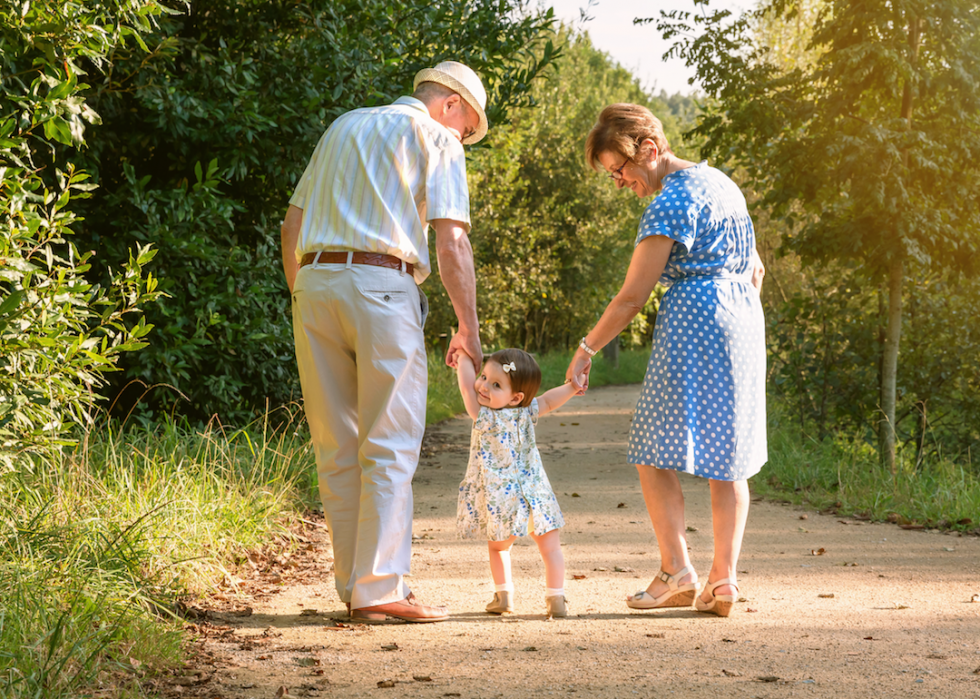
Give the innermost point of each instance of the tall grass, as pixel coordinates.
(844, 474)
(97, 544)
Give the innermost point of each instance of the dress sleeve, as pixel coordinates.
(674, 214)
(486, 420)
(533, 408)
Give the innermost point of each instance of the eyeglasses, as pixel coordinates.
(617, 174)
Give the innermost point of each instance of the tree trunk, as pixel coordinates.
(889, 364)
(611, 352)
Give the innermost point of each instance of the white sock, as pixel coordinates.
(506, 587)
(554, 592)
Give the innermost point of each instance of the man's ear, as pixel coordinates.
(517, 399)
(453, 101)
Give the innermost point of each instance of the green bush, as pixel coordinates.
(205, 137)
(59, 332)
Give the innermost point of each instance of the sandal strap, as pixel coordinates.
(710, 587)
(671, 580)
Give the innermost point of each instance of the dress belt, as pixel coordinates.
(375, 259)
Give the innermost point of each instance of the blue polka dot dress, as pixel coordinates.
(702, 409)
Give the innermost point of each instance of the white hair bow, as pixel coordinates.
(509, 367)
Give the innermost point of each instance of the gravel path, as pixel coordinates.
(832, 606)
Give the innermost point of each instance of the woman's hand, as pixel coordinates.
(578, 371)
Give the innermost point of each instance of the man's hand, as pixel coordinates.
(290, 237)
(758, 271)
(464, 346)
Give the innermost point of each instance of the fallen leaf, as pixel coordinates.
(743, 599)
(847, 564)
(729, 640)
(308, 612)
(977, 671)
(622, 504)
(530, 649)
(893, 517)
(900, 606)
(869, 638)
(422, 678)
(804, 517)
(826, 595)
(731, 673)
(912, 526)
(575, 423)
(619, 569)
(387, 684)
(135, 663)
(818, 552)
(692, 529)
(768, 678)
(263, 657)
(600, 569)
(937, 656)
(393, 646)
(975, 598)
(578, 577)
(964, 521)
(750, 610)
(451, 694)
(802, 530)
(576, 495)
(282, 692)
(656, 635)
(948, 548)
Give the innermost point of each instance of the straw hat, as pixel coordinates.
(461, 79)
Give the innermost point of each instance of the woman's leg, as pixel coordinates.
(549, 545)
(665, 503)
(729, 511)
(500, 561)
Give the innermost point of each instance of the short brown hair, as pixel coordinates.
(620, 129)
(525, 378)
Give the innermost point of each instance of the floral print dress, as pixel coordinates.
(505, 484)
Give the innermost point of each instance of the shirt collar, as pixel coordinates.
(412, 102)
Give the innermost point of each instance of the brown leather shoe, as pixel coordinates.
(407, 609)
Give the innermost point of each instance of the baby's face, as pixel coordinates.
(493, 388)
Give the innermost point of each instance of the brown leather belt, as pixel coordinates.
(375, 259)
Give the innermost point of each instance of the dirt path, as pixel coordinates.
(882, 612)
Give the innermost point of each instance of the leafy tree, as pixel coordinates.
(868, 152)
(551, 238)
(59, 334)
(205, 137)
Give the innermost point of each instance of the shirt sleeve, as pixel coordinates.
(673, 214)
(446, 192)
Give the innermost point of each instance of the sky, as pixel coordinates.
(637, 48)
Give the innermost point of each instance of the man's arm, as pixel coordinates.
(290, 237)
(455, 258)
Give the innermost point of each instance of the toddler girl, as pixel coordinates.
(506, 493)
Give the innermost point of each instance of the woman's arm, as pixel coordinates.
(466, 376)
(647, 264)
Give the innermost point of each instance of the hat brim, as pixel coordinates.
(431, 75)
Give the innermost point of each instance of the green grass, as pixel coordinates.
(844, 475)
(97, 545)
(444, 400)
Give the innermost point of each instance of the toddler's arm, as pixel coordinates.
(466, 376)
(557, 397)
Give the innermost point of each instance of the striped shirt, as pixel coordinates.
(377, 177)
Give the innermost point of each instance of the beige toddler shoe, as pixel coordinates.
(557, 606)
(501, 603)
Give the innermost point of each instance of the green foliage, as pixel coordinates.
(204, 138)
(59, 333)
(552, 239)
(859, 135)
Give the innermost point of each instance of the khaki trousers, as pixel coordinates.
(362, 366)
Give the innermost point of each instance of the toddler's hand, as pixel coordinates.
(583, 379)
(457, 356)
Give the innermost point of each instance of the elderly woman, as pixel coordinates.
(702, 405)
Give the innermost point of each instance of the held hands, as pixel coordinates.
(578, 372)
(465, 344)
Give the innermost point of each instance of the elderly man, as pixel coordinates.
(355, 248)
